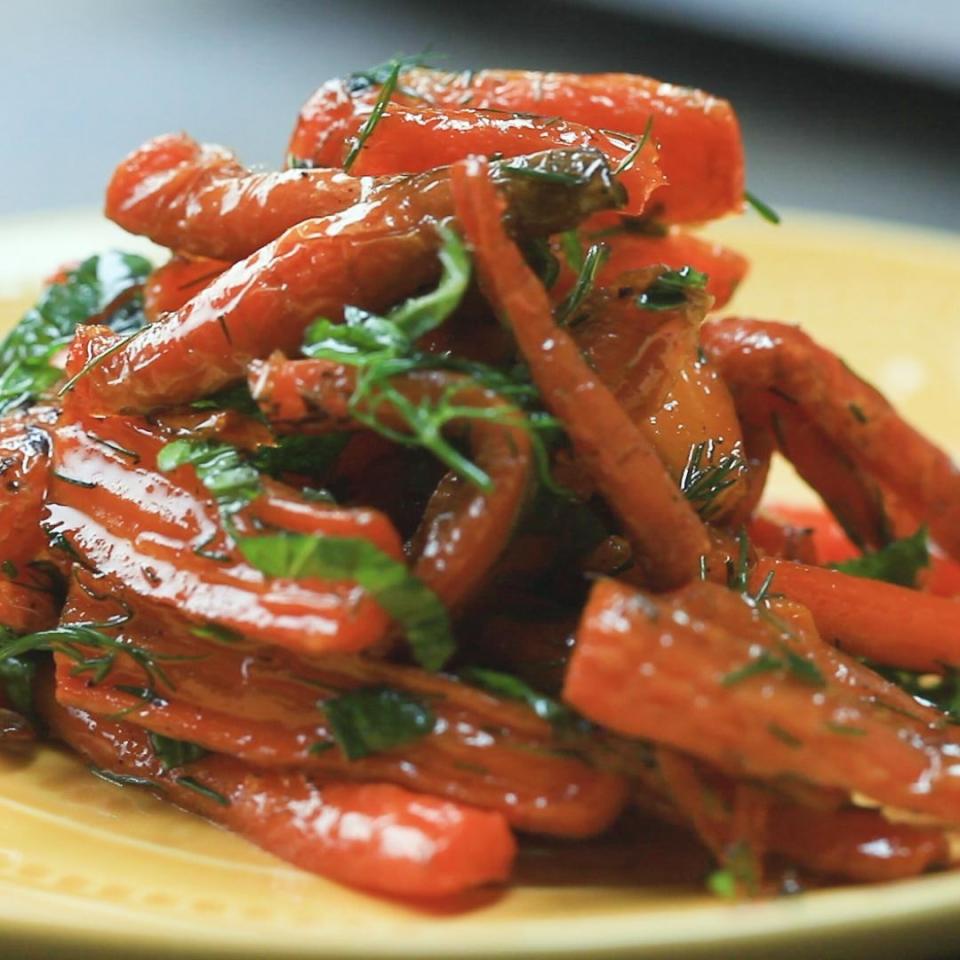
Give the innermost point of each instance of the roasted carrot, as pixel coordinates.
(887, 623)
(700, 148)
(705, 673)
(413, 138)
(665, 531)
(378, 837)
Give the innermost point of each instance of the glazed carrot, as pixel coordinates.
(198, 199)
(665, 531)
(652, 362)
(177, 282)
(24, 468)
(701, 153)
(831, 544)
(369, 256)
(860, 844)
(782, 540)
(378, 837)
(413, 138)
(268, 710)
(755, 354)
(851, 494)
(890, 624)
(160, 536)
(703, 672)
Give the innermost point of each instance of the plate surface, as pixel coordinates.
(92, 870)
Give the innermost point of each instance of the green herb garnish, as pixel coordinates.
(88, 293)
(631, 158)
(17, 675)
(899, 562)
(413, 605)
(174, 753)
(593, 260)
(669, 290)
(389, 85)
(765, 211)
(702, 483)
(513, 688)
(375, 719)
(208, 792)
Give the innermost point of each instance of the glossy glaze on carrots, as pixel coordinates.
(413, 505)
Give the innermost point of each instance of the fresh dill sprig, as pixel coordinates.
(701, 483)
(593, 260)
(384, 348)
(631, 158)
(765, 211)
(386, 92)
(75, 640)
(669, 290)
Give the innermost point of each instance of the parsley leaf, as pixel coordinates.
(17, 675)
(220, 467)
(899, 562)
(669, 290)
(174, 753)
(593, 260)
(416, 608)
(374, 719)
(88, 292)
(513, 688)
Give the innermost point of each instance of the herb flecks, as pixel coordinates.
(670, 289)
(593, 260)
(765, 211)
(104, 288)
(372, 720)
(369, 125)
(409, 601)
(900, 562)
(703, 482)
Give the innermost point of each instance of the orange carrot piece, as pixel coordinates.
(704, 673)
(666, 532)
(890, 624)
(701, 152)
(411, 139)
(860, 844)
(378, 837)
(755, 354)
(198, 199)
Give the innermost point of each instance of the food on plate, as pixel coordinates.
(412, 506)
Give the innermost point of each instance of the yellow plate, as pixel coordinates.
(92, 870)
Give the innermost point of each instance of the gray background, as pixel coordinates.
(832, 118)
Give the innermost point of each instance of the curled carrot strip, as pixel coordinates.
(868, 618)
(755, 354)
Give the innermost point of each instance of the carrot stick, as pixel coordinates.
(703, 672)
(664, 529)
(378, 837)
(701, 151)
(889, 624)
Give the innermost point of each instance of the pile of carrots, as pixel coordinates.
(414, 504)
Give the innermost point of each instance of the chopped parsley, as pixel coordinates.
(371, 720)
(899, 562)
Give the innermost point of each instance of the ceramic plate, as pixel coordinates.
(92, 870)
